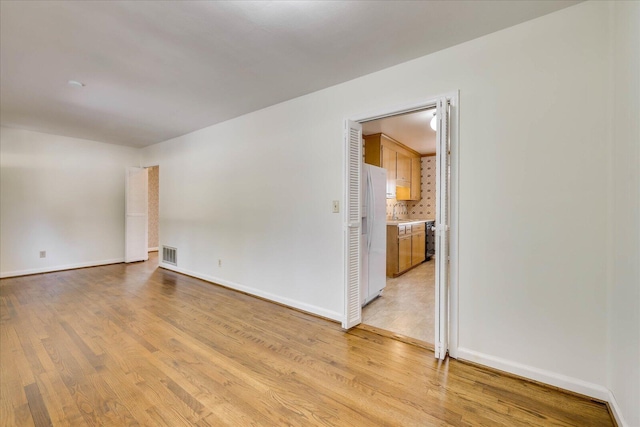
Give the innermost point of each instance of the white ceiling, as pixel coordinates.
(159, 69)
(412, 130)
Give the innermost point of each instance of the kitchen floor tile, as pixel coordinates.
(406, 305)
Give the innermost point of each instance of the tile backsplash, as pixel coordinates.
(425, 208)
(401, 208)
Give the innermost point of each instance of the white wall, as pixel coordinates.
(62, 195)
(256, 192)
(624, 291)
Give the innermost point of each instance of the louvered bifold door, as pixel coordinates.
(353, 311)
(136, 215)
(442, 231)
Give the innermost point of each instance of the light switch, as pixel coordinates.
(336, 206)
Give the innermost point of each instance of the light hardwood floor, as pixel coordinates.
(136, 345)
(406, 306)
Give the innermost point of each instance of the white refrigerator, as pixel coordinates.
(374, 233)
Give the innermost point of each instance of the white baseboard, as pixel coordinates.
(616, 411)
(152, 249)
(552, 378)
(59, 268)
(257, 292)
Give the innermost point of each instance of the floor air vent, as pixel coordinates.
(169, 255)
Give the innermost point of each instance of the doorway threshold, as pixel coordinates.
(398, 337)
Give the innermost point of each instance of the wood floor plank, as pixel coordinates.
(37, 407)
(60, 403)
(91, 357)
(131, 344)
(75, 381)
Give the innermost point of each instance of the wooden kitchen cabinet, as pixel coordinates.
(416, 178)
(401, 162)
(418, 246)
(389, 163)
(403, 170)
(405, 247)
(404, 253)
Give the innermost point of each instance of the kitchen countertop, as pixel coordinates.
(406, 221)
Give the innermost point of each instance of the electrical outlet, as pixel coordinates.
(336, 206)
(219, 263)
(43, 254)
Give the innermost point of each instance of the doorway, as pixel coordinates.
(141, 212)
(406, 305)
(407, 147)
(407, 224)
(153, 203)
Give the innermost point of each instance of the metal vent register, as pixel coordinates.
(170, 255)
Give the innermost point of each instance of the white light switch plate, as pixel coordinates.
(336, 206)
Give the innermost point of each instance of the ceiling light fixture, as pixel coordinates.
(433, 123)
(75, 83)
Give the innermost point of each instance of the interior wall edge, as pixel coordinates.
(312, 309)
(615, 410)
(52, 269)
(555, 379)
(623, 290)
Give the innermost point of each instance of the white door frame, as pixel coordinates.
(453, 98)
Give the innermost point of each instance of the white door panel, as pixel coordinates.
(352, 302)
(136, 215)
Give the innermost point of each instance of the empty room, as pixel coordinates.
(368, 213)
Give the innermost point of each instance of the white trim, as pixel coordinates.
(60, 268)
(333, 315)
(616, 411)
(454, 147)
(381, 113)
(454, 99)
(443, 213)
(548, 377)
(152, 249)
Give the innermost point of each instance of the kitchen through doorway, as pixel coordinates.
(367, 227)
(402, 302)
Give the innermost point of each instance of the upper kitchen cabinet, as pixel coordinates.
(401, 162)
(373, 148)
(403, 169)
(389, 162)
(416, 178)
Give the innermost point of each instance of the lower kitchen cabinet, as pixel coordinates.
(404, 253)
(418, 241)
(405, 247)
